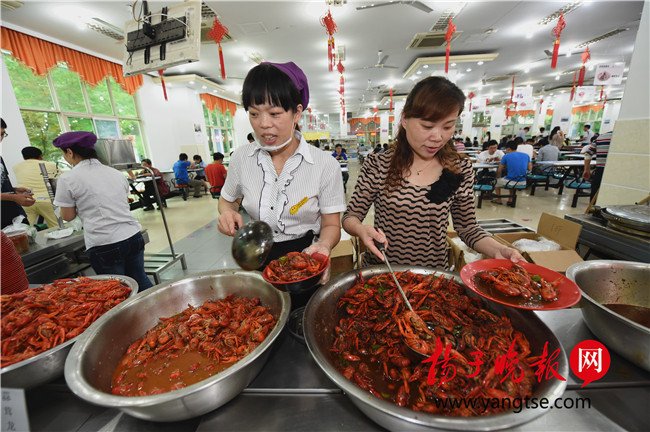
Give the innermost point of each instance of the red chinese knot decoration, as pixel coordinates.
(470, 96)
(451, 29)
(390, 94)
(217, 32)
(585, 58)
(573, 87)
(162, 82)
(557, 31)
(330, 28)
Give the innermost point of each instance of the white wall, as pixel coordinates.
(610, 115)
(17, 134)
(562, 111)
(169, 125)
(242, 127)
(498, 117)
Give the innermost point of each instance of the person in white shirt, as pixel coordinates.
(492, 154)
(526, 147)
(282, 180)
(588, 134)
(98, 194)
(523, 132)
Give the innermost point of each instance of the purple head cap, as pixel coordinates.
(298, 79)
(82, 139)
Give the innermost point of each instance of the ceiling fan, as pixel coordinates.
(416, 4)
(381, 62)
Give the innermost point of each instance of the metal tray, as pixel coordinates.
(49, 364)
(631, 216)
(321, 318)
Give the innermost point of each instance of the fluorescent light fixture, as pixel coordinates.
(468, 70)
(480, 63)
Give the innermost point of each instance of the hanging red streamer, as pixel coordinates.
(330, 28)
(541, 102)
(512, 89)
(162, 82)
(217, 32)
(310, 117)
(470, 96)
(585, 58)
(451, 29)
(390, 94)
(602, 90)
(341, 69)
(573, 86)
(557, 31)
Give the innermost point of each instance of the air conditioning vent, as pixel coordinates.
(497, 78)
(207, 12)
(430, 40)
(107, 29)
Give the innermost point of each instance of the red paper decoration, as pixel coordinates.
(217, 32)
(162, 82)
(390, 94)
(470, 96)
(557, 31)
(330, 28)
(573, 86)
(585, 58)
(512, 89)
(602, 89)
(451, 29)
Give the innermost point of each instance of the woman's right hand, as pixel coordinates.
(229, 222)
(368, 235)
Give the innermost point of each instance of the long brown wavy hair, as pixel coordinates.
(432, 99)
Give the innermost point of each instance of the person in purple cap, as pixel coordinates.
(98, 194)
(282, 180)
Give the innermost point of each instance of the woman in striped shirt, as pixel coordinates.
(416, 185)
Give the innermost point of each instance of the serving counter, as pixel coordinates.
(292, 394)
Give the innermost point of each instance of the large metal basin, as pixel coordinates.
(48, 365)
(93, 359)
(321, 317)
(622, 282)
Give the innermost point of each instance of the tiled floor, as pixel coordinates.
(193, 224)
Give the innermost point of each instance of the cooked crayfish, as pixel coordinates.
(192, 345)
(292, 267)
(36, 320)
(517, 282)
(375, 335)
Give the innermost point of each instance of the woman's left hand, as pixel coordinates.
(323, 250)
(509, 253)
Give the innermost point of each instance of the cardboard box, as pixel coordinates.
(456, 255)
(342, 256)
(561, 231)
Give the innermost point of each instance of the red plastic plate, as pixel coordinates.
(568, 291)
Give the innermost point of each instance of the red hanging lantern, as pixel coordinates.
(573, 86)
(330, 28)
(557, 31)
(341, 69)
(162, 82)
(217, 32)
(585, 58)
(470, 96)
(390, 94)
(541, 102)
(451, 29)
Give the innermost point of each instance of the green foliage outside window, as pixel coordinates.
(131, 130)
(100, 101)
(32, 91)
(68, 90)
(124, 102)
(81, 124)
(42, 128)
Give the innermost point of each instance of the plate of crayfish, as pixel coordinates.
(296, 271)
(521, 285)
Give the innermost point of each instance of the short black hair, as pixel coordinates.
(512, 145)
(526, 128)
(542, 129)
(492, 143)
(182, 156)
(145, 160)
(250, 138)
(588, 126)
(31, 153)
(519, 140)
(338, 145)
(217, 156)
(195, 157)
(267, 84)
(82, 152)
(3, 125)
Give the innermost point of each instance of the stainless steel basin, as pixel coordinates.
(622, 282)
(93, 359)
(321, 316)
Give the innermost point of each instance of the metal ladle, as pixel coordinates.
(252, 245)
(382, 249)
